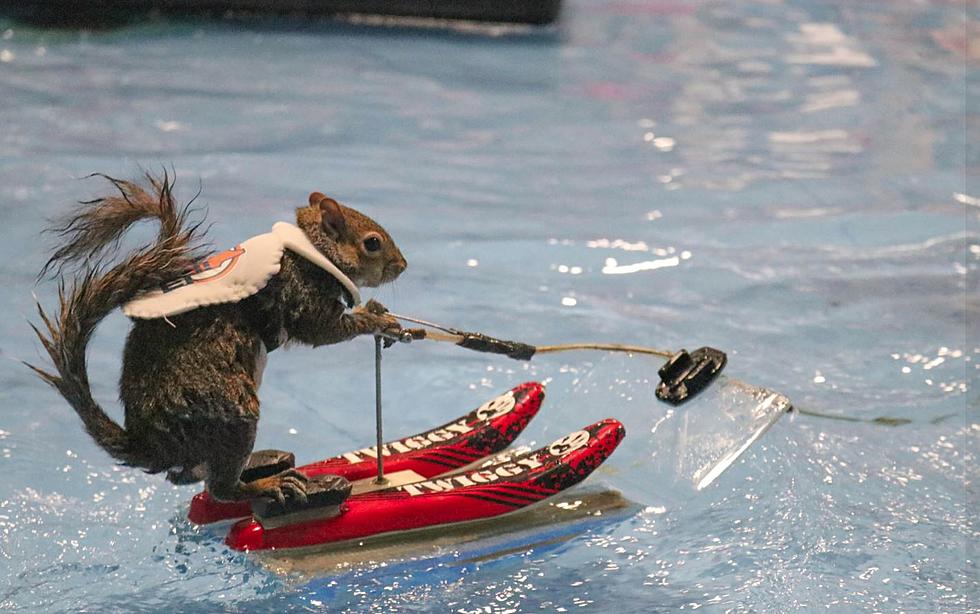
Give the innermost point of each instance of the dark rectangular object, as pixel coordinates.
(509, 11)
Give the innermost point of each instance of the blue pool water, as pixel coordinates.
(786, 180)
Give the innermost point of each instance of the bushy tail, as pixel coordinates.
(89, 236)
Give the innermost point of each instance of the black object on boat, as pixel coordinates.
(538, 12)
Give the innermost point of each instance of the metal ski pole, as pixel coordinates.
(381, 479)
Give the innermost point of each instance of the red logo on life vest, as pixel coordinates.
(210, 269)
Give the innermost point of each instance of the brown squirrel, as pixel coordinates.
(189, 381)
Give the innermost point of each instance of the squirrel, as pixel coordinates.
(189, 382)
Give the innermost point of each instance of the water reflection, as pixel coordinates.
(825, 44)
(612, 267)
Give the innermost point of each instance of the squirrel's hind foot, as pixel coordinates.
(291, 483)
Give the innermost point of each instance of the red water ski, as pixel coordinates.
(511, 484)
(484, 431)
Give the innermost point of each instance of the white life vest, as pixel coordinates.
(233, 275)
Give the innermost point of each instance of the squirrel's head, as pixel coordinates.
(358, 245)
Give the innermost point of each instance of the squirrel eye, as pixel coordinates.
(372, 244)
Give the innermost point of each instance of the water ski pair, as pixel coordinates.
(458, 472)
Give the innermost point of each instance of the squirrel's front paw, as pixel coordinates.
(387, 325)
(391, 331)
(373, 306)
(372, 319)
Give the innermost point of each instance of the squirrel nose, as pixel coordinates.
(395, 269)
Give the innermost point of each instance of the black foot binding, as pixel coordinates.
(686, 374)
(324, 494)
(267, 463)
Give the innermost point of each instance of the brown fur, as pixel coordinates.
(188, 384)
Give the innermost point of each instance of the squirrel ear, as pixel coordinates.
(315, 198)
(331, 216)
